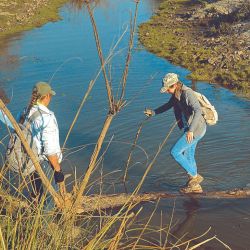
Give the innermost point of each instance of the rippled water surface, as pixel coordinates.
(65, 53)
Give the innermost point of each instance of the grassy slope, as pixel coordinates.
(20, 15)
(170, 37)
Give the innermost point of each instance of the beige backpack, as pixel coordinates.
(209, 112)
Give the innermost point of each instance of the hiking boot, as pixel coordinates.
(197, 189)
(194, 180)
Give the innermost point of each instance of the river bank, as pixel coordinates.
(17, 16)
(209, 39)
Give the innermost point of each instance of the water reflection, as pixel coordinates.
(190, 206)
(79, 4)
(9, 62)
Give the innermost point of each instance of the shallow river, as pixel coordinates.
(64, 53)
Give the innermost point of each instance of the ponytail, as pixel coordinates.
(33, 100)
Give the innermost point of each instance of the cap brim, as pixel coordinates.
(52, 92)
(163, 89)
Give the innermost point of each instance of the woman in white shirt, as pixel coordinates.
(45, 134)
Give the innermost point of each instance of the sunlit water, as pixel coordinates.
(223, 155)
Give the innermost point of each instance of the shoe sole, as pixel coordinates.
(191, 191)
(196, 180)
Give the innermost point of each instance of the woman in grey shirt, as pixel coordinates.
(189, 117)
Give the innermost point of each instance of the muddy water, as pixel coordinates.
(64, 52)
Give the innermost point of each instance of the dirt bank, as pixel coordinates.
(20, 15)
(210, 39)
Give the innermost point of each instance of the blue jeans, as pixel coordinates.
(184, 153)
(38, 186)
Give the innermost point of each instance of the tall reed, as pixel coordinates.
(114, 105)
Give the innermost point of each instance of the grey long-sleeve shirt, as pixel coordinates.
(184, 102)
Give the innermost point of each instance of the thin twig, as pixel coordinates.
(224, 244)
(60, 66)
(149, 167)
(132, 149)
(93, 158)
(195, 238)
(169, 226)
(91, 84)
(146, 225)
(201, 243)
(141, 90)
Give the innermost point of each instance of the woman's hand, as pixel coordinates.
(58, 176)
(149, 112)
(190, 136)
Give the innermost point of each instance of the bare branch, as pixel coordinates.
(99, 49)
(132, 149)
(131, 43)
(94, 157)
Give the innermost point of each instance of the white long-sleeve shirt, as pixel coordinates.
(46, 132)
(5, 120)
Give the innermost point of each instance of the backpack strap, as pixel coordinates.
(33, 117)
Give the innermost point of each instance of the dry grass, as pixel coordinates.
(36, 228)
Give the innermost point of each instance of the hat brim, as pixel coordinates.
(52, 92)
(163, 89)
